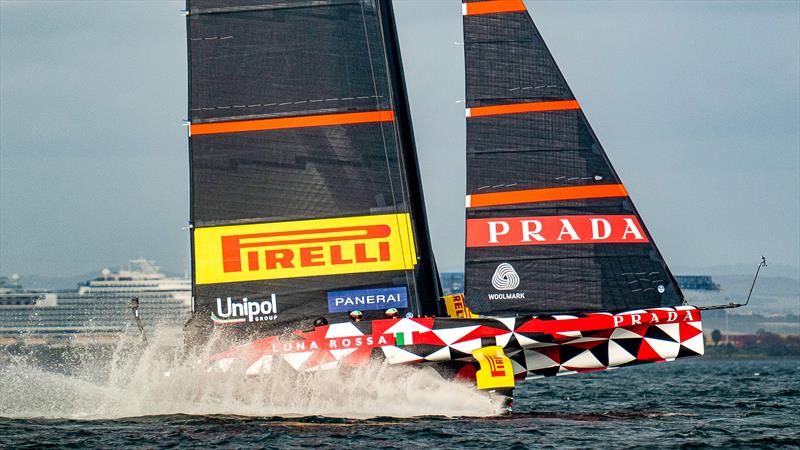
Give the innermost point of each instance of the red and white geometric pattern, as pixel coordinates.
(538, 346)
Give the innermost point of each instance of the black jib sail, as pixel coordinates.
(305, 194)
(550, 227)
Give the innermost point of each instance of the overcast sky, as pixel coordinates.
(696, 103)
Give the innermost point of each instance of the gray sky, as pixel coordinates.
(696, 103)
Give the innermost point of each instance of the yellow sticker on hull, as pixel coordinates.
(496, 371)
(267, 251)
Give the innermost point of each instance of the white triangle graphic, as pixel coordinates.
(617, 355)
(584, 360)
(450, 335)
(296, 360)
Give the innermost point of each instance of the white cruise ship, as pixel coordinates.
(98, 308)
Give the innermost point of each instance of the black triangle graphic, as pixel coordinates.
(601, 353)
(630, 345)
(568, 352)
(512, 342)
(519, 358)
(422, 350)
(657, 333)
(548, 372)
(456, 354)
(539, 337)
(685, 352)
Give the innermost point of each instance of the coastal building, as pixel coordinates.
(696, 282)
(452, 282)
(97, 308)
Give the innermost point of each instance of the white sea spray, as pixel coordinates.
(158, 379)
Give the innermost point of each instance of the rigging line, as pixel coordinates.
(257, 105)
(401, 156)
(763, 263)
(410, 280)
(528, 150)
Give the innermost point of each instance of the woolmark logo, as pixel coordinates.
(245, 310)
(505, 278)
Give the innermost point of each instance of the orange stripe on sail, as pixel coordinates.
(322, 120)
(516, 108)
(546, 195)
(495, 6)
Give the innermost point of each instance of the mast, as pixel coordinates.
(428, 283)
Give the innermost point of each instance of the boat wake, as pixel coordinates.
(157, 379)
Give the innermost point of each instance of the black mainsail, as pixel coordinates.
(550, 227)
(305, 194)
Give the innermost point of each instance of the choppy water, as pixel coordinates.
(128, 402)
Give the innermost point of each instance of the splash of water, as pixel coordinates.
(157, 379)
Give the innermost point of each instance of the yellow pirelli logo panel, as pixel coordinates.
(267, 251)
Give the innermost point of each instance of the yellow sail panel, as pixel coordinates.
(277, 250)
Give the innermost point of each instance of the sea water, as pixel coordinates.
(153, 396)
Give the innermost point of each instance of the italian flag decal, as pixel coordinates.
(404, 338)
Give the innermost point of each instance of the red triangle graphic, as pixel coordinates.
(428, 337)
(481, 331)
(551, 352)
(687, 331)
(641, 330)
(646, 352)
(359, 357)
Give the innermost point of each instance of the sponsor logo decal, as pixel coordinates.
(304, 248)
(456, 307)
(245, 310)
(497, 366)
(338, 343)
(505, 278)
(549, 230)
(368, 299)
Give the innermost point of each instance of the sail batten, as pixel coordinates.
(322, 120)
(492, 7)
(233, 6)
(550, 226)
(517, 108)
(546, 195)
